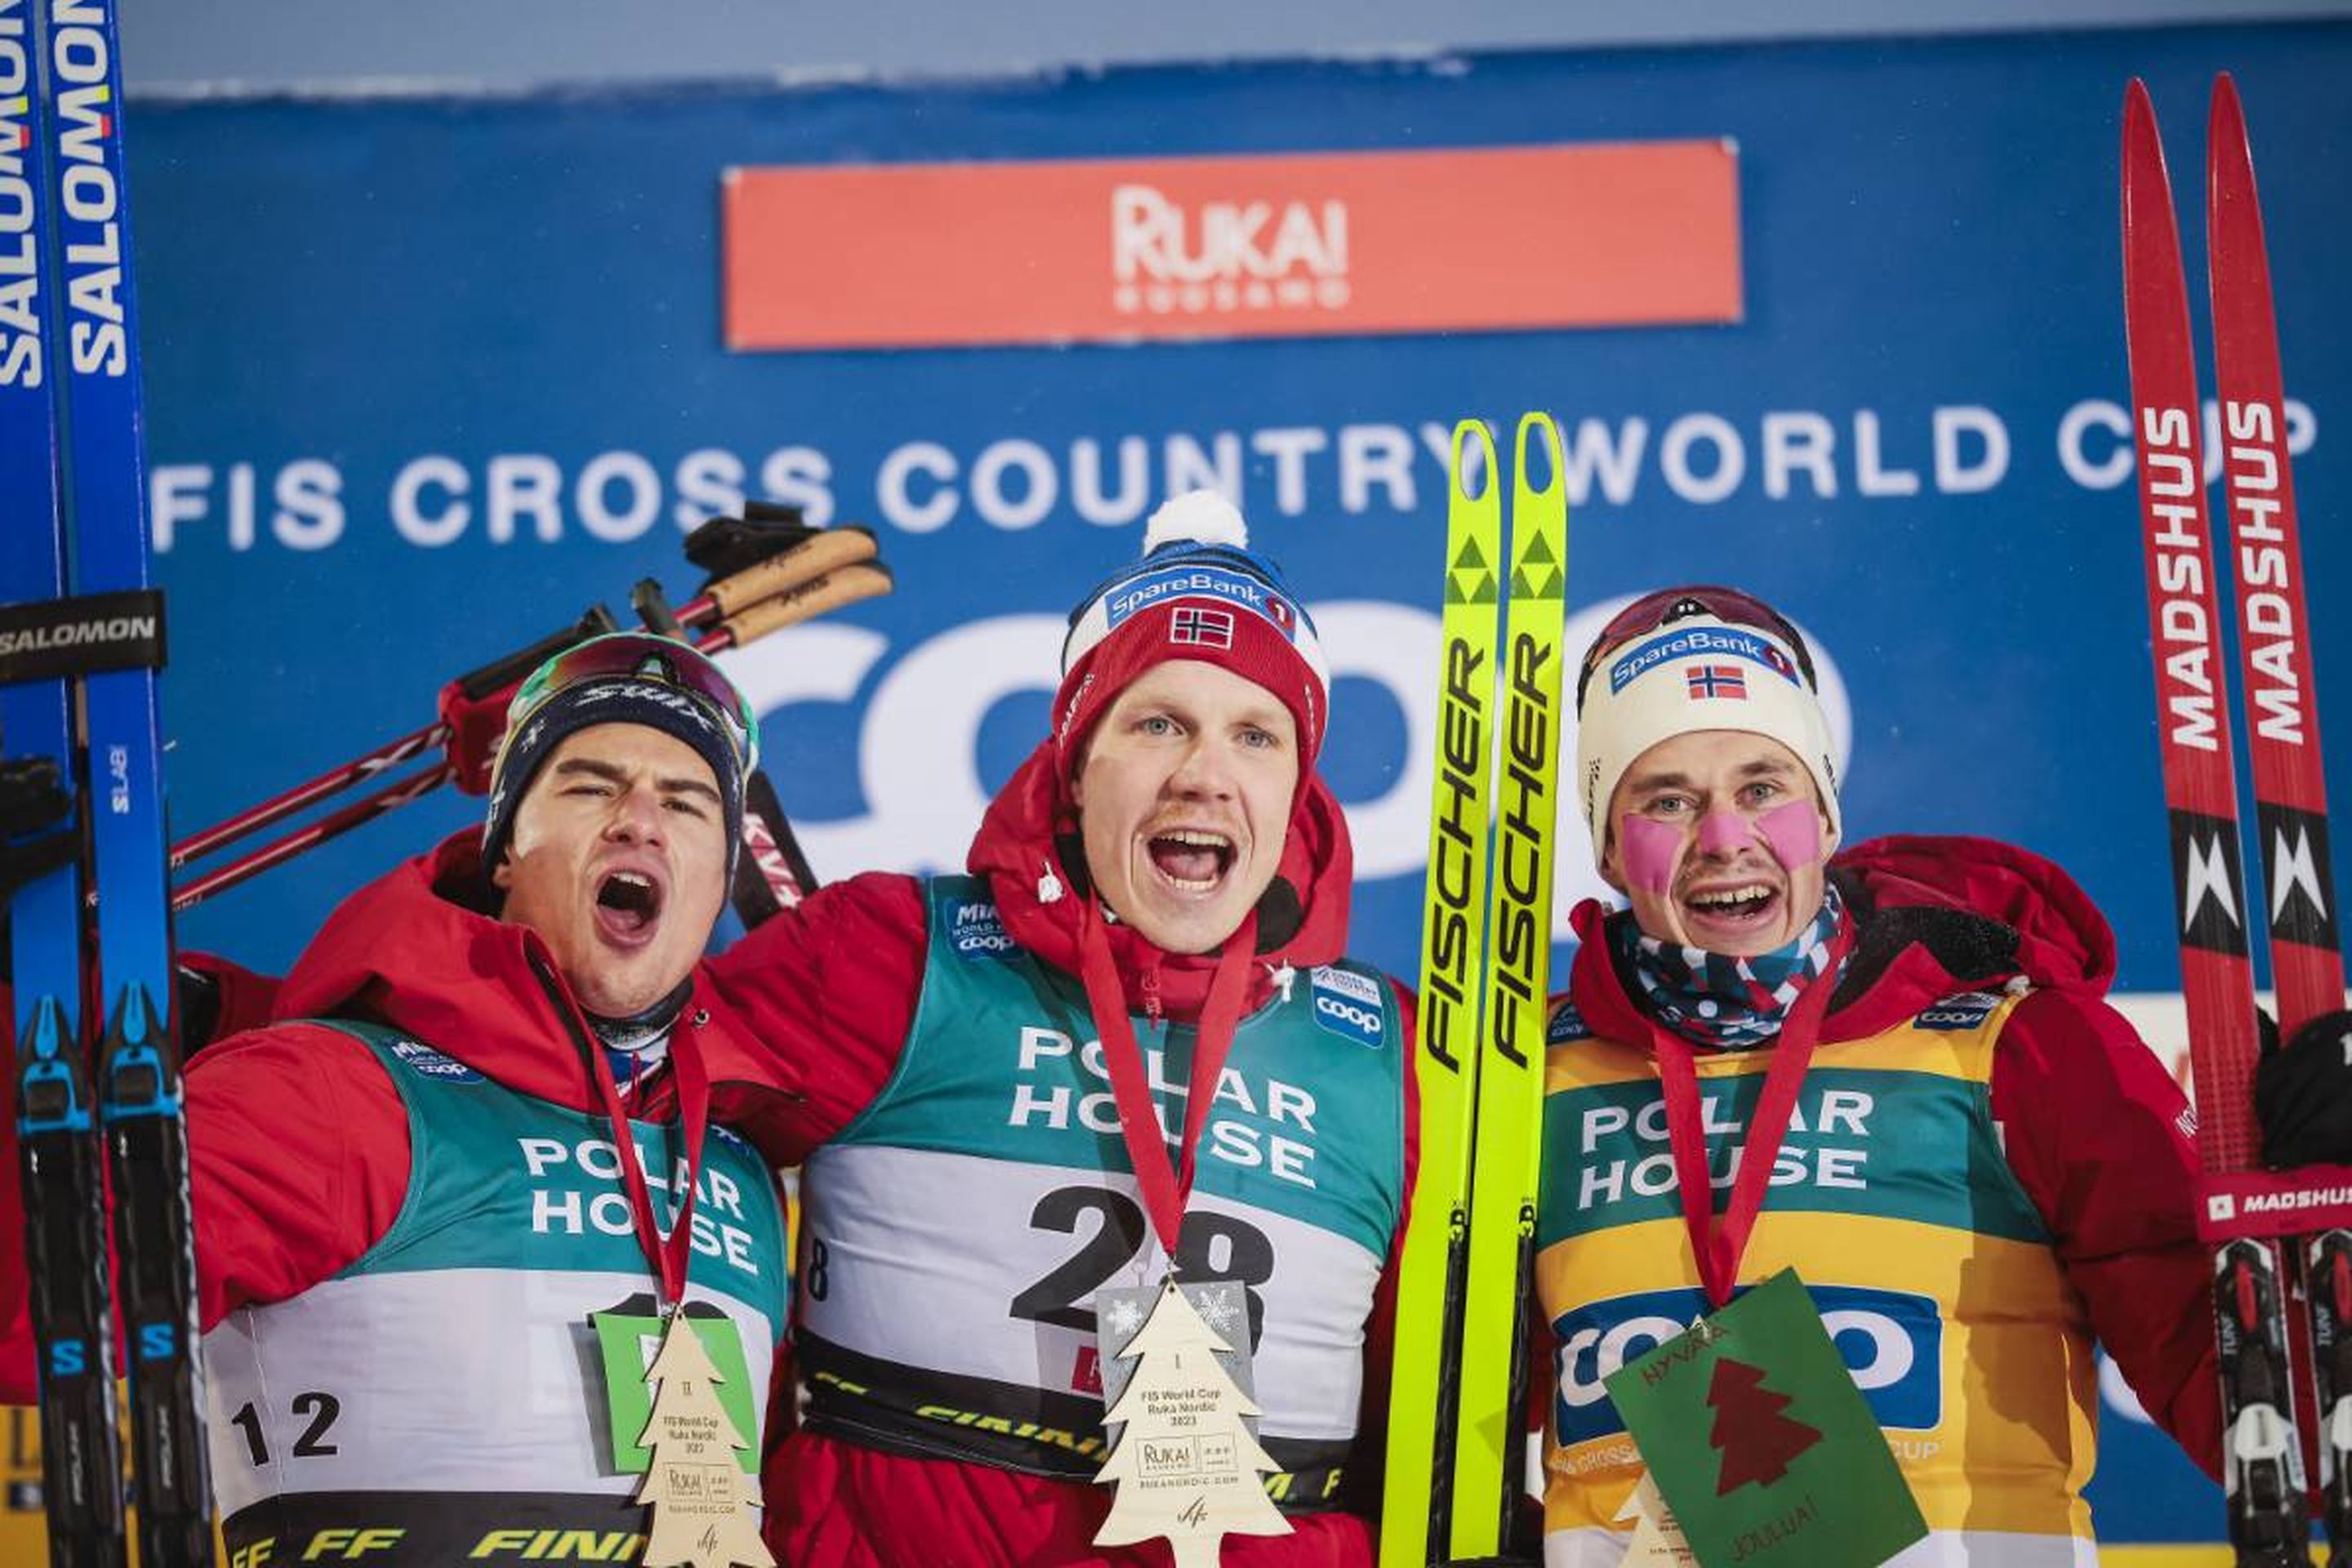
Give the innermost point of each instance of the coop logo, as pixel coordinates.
(1893, 1342)
(1172, 256)
(1349, 1005)
(1965, 1010)
(977, 930)
(426, 1062)
(1567, 1023)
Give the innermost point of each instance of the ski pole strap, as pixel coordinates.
(91, 634)
(1719, 1247)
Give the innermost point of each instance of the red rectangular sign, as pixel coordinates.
(1315, 244)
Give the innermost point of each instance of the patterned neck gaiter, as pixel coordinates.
(1727, 1003)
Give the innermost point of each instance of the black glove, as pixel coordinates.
(2303, 1095)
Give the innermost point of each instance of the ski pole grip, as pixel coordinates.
(502, 673)
(866, 580)
(825, 552)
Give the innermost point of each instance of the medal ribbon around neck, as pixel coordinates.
(1719, 1247)
(1165, 1187)
(668, 1254)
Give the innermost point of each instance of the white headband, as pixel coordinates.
(1699, 673)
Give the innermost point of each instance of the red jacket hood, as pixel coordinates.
(1934, 915)
(418, 949)
(1030, 825)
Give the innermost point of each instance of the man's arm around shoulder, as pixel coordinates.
(2099, 1136)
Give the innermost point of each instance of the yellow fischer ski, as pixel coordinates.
(1435, 1261)
(1508, 1119)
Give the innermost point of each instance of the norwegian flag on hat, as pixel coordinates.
(1201, 627)
(1717, 680)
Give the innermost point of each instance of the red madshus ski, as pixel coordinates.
(2282, 713)
(2261, 1459)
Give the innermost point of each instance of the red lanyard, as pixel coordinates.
(1165, 1187)
(667, 1253)
(1719, 1247)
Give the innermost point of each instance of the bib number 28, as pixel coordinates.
(1209, 1245)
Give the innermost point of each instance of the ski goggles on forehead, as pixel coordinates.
(1656, 612)
(643, 657)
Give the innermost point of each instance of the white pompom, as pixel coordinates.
(1196, 517)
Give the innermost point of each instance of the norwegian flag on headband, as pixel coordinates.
(1717, 680)
(1201, 627)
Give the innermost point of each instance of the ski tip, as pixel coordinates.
(1474, 460)
(2140, 134)
(2229, 117)
(1537, 430)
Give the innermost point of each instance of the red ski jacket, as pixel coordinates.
(2095, 1129)
(833, 985)
(297, 1141)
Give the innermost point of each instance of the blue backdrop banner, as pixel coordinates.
(426, 376)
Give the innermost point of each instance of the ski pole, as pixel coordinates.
(757, 621)
(342, 820)
(809, 566)
(826, 551)
(822, 596)
(480, 683)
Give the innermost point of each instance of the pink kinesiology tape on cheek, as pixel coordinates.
(1792, 832)
(1648, 850)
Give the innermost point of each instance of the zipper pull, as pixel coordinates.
(1149, 982)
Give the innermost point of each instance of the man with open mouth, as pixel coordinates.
(1125, 1038)
(1891, 1068)
(444, 1202)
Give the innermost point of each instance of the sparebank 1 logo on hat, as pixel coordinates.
(1720, 642)
(1152, 588)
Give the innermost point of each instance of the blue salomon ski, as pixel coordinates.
(109, 635)
(59, 1160)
